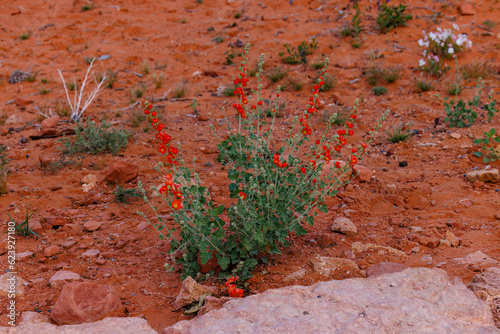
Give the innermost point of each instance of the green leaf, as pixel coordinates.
(478, 154)
(205, 257)
(223, 262)
(323, 208)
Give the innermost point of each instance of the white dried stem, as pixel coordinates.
(80, 103)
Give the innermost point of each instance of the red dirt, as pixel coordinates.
(430, 191)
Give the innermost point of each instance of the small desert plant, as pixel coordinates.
(123, 195)
(181, 90)
(328, 81)
(276, 74)
(357, 42)
(297, 55)
(4, 171)
(158, 80)
(462, 114)
(399, 133)
(111, 76)
(81, 103)
(44, 90)
(23, 228)
(25, 35)
(71, 86)
(423, 85)
(145, 68)
(476, 70)
(319, 65)
(86, 7)
(137, 118)
(391, 74)
(489, 24)
(355, 28)
(379, 90)
(295, 84)
(138, 91)
(229, 90)
(490, 146)
(391, 17)
(32, 77)
(53, 167)
(93, 139)
(455, 88)
(233, 52)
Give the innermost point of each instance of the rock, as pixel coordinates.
(62, 276)
(427, 259)
(34, 317)
(453, 239)
(51, 250)
(191, 292)
(89, 182)
(477, 258)
(391, 188)
(384, 268)
(466, 9)
(142, 226)
(430, 242)
(329, 166)
(86, 302)
(497, 216)
(121, 172)
(444, 243)
(35, 226)
(100, 261)
(358, 247)
(485, 175)
(486, 286)
(327, 266)
(52, 221)
(326, 239)
(24, 255)
(10, 283)
(417, 300)
(295, 275)
(51, 122)
(364, 174)
(478, 184)
(345, 226)
(67, 243)
(92, 225)
(336, 99)
(455, 135)
(132, 325)
(91, 253)
(14, 119)
(212, 303)
(18, 76)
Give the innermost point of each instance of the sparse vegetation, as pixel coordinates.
(25, 35)
(276, 74)
(138, 91)
(328, 80)
(399, 133)
(477, 69)
(32, 77)
(93, 139)
(86, 7)
(123, 195)
(181, 90)
(423, 85)
(294, 84)
(158, 80)
(297, 55)
(391, 17)
(4, 170)
(379, 90)
(23, 229)
(145, 68)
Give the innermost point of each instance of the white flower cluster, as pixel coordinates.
(443, 43)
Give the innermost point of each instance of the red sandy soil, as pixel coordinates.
(177, 40)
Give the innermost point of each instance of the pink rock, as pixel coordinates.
(466, 9)
(51, 122)
(55, 221)
(121, 172)
(190, 292)
(86, 302)
(51, 250)
(364, 173)
(63, 276)
(92, 225)
(212, 303)
(384, 268)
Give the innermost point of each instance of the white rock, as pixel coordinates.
(477, 258)
(345, 226)
(63, 275)
(417, 300)
(10, 283)
(91, 253)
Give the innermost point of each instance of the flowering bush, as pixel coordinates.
(439, 46)
(275, 190)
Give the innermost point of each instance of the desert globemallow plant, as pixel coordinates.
(276, 191)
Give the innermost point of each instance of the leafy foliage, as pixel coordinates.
(93, 139)
(490, 146)
(391, 17)
(297, 55)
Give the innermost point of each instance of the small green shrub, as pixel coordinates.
(379, 90)
(489, 146)
(93, 139)
(423, 85)
(329, 81)
(4, 170)
(23, 228)
(276, 74)
(399, 133)
(476, 70)
(297, 55)
(355, 28)
(391, 17)
(123, 195)
(181, 90)
(86, 7)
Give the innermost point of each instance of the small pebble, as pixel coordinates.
(403, 163)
